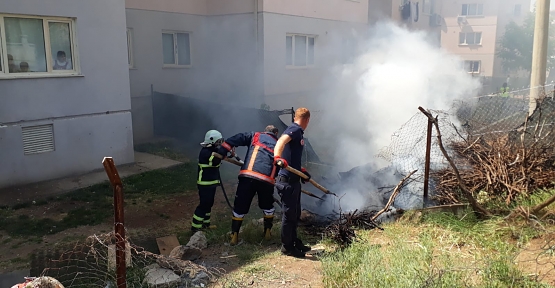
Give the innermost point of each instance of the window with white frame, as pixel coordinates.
(299, 50)
(474, 9)
(472, 66)
(176, 49)
(37, 46)
(130, 47)
(470, 38)
(427, 7)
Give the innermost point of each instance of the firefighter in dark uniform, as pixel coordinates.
(208, 179)
(288, 152)
(256, 177)
(504, 92)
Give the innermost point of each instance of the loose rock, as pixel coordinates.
(160, 277)
(198, 240)
(40, 282)
(185, 253)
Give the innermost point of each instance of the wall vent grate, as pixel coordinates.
(38, 139)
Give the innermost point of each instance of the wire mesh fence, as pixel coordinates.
(92, 263)
(513, 147)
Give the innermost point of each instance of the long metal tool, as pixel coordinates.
(302, 175)
(240, 163)
(235, 161)
(311, 195)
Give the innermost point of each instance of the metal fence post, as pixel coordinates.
(119, 228)
(427, 161)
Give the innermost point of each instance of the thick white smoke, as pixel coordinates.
(368, 100)
(397, 71)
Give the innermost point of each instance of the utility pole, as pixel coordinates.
(539, 53)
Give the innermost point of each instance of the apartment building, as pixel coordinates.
(472, 29)
(245, 52)
(64, 88)
(422, 15)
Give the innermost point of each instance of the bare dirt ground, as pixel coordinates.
(146, 220)
(537, 258)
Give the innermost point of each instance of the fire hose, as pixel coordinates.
(239, 162)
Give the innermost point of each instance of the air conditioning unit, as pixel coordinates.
(461, 19)
(435, 20)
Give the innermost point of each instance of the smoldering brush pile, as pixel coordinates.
(502, 168)
(342, 230)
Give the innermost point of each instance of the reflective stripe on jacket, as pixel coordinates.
(259, 161)
(208, 167)
(505, 92)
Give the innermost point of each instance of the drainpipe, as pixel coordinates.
(257, 60)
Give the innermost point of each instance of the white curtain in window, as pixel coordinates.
(310, 56)
(60, 43)
(167, 43)
(25, 45)
(183, 49)
(289, 50)
(300, 50)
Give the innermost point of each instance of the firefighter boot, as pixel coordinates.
(206, 223)
(268, 223)
(235, 227)
(300, 246)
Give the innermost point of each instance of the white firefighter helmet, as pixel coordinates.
(212, 137)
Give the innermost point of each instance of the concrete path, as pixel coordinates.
(143, 162)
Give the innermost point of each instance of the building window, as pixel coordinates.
(472, 9)
(130, 47)
(299, 50)
(36, 46)
(427, 7)
(518, 10)
(470, 38)
(177, 49)
(472, 67)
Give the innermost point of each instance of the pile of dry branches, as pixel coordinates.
(342, 231)
(503, 165)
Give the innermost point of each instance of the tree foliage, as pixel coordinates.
(515, 46)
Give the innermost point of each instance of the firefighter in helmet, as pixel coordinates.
(208, 179)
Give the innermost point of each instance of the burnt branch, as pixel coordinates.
(477, 208)
(393, 195)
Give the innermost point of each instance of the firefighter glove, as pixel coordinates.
(307, 174)
(278, 159)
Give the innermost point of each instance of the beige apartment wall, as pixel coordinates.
(380, 10)
(197, 7)
(224, 7)
(487, 24)
(341, 10)
(286, 87)
(389, 10)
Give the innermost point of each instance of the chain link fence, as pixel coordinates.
(499, 124)
(92, 263)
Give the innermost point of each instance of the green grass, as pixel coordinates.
(440, 250)
(164, 149)
(96, 201)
